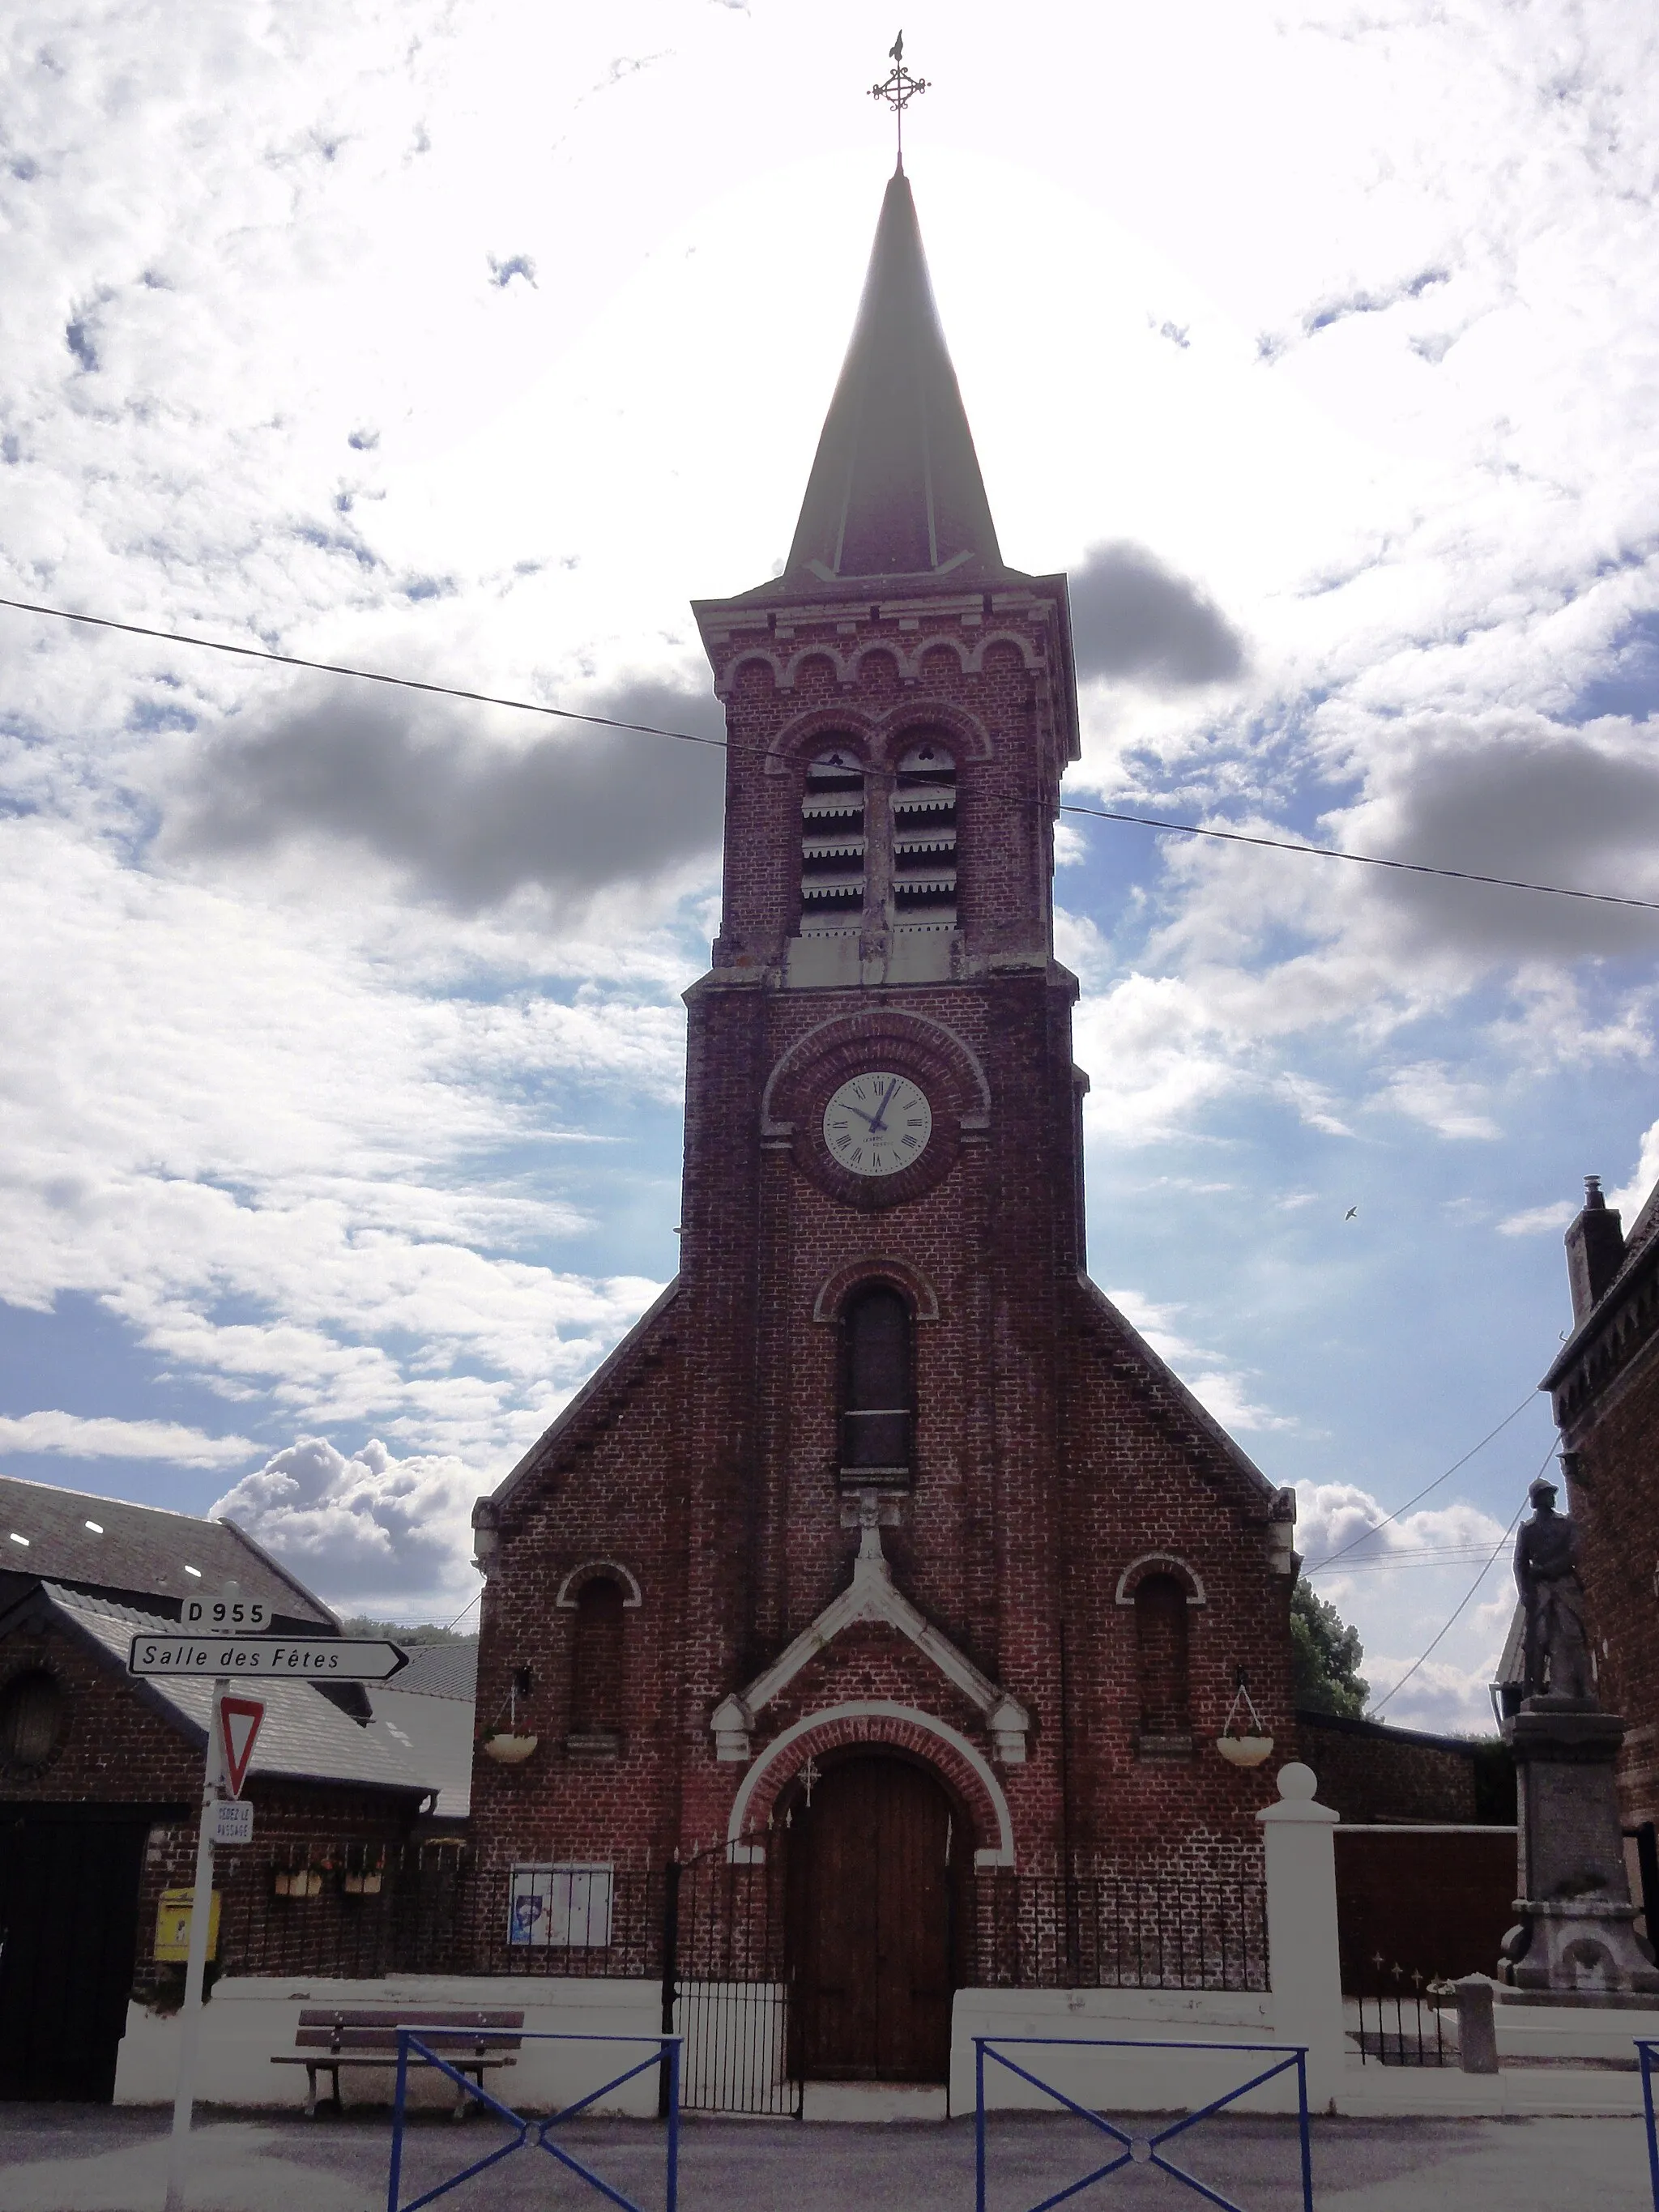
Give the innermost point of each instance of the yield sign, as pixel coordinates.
(238, 1724)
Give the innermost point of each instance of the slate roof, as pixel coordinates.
(896, 489)
(303, 1736)
(140, 1551)
(441, 1670)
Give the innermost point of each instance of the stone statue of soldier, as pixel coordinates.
(1558, 1663)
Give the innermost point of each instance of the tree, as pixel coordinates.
(1326, 1653)
(401, 1631)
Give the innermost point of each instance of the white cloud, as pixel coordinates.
(368, 1531)
(1220, 1389)
(1535, 1219)
(74, 1437)
(1429, 1094)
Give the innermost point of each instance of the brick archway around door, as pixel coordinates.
(869, 1722)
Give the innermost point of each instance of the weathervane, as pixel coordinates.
(898, 88)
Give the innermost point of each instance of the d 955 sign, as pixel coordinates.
(216, 1614)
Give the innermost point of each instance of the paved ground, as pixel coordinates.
(68, 2159)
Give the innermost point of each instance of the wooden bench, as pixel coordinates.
(473, 2042)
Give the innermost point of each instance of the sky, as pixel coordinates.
(341, 1042)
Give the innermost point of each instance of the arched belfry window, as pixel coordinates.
(596, 1662)
(832, 845)
(1160, 1603)
(924, 838)
(877, 1388)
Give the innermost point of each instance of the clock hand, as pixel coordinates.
(860, 1111)
(880, 1121)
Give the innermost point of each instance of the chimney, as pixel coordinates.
(1595, 1251)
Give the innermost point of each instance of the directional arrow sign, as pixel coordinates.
(238, 1724)
(271, 1658)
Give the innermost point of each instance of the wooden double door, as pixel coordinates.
(872, 1913)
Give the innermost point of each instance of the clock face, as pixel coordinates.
(876, 1124)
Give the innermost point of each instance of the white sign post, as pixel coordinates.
(223, 1642)
(201, 1913)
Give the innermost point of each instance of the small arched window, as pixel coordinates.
(924, 838)
(832, 845)
(878, 1388)
(596, 1661)
(1161, 1656)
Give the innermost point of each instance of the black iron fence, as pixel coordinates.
(349, 1912)
(714, 1935)
(1116, 1931)
(1407, 2018)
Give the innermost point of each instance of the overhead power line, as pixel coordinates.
(1373, 1528)
(721, 744)
(1434, 1641)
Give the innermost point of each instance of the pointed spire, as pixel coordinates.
(896, 489)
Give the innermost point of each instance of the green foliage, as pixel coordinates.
(400, 1631)
(1325, 1655)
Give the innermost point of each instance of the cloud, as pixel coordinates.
(1133, 618)
(370, 1529)
(1429, 1094)
(1537, 1217)
(1222, 1390)
(75, 1438)
(463, 819)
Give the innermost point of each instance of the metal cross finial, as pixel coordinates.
(898, 88)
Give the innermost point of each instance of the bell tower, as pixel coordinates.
(889, 1496)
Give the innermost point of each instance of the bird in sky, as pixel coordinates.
(1350, 1212)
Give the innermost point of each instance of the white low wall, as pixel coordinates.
(249, 2021)
(1116, 2081)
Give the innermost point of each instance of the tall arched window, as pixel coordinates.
(924, 838)
(596, 1661)
(1161, 1656)
(878, 1388)
(832, 845)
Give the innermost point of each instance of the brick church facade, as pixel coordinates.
(883, 1544)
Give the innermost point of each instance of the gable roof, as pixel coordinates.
(303, 1737)
(141, 1552)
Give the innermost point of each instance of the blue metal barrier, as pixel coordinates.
(665, 2054)
(1147, 2150)
(1648, 2053)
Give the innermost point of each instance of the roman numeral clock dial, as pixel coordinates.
(876, 1124)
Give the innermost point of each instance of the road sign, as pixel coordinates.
(270, 1658)
(239, 1725)
(213, 1615)
(233, 1821)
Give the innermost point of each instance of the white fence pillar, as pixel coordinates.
(1302, 1945)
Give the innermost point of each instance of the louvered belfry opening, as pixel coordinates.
(877, 1388)
(832, 845)
(924, 839)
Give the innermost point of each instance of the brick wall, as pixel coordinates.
(1369, 1772)
(1433, 1901)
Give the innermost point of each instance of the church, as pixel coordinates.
(883, 1565)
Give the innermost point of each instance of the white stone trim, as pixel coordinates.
(1196, 1594)
(633, 1596)
(873, 1709)
(872, 1594)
